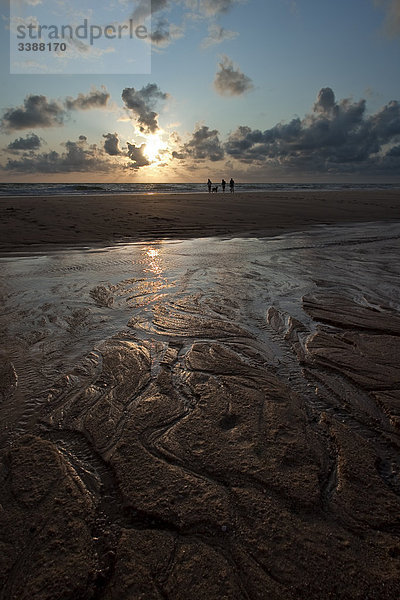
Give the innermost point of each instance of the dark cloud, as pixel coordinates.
(157, 5)
(389, 164)
(141, 103)
(36, 111)
(325, 101)
(178, 155)
(385, 124)
(30, 142)
(230, 81)
(164, 33)
(395, 151)
(136, 154)
(111, 144)
(78, 157)
(133, 152)
(161, 35)
(203, 145)
(146, 8)
(335, 136)
(94, 99)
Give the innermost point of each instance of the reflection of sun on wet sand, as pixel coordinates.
(207, 419)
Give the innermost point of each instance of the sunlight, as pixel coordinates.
(154, 145)
(154, 262)
(152, 253)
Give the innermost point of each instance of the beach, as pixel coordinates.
(200, 396)
(68, 220)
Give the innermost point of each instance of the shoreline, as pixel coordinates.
(93, 220)
(202, 192)
(40, 250)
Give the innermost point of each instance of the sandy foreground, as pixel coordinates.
(209, 419)
(27, 221)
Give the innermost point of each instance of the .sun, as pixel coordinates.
(154, 145)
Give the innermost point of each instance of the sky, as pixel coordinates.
(183, 90)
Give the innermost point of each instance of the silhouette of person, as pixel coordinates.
(232, 185)
(209, 184)
(223, 183)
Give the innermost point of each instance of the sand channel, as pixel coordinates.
(209, 418)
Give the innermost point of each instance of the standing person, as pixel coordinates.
(232, 185)
(223, 183)
(209, 184)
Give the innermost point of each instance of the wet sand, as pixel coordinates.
(211, 419)
(88, 220)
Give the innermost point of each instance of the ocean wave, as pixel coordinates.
(59, 189)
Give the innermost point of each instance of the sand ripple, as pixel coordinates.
(211, 419)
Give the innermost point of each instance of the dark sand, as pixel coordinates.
(27, 221)
(197, 454)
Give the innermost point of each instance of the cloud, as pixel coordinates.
(165, 33)
(36, 111)
(203, 145)
(30, 142)
(230, 81)
(385, 124)
(157, 5)
(395, 151)
(111, 144)
(78, 157)
(141, 103)
(392, 19)
(94, 99)
(336, 136)
(146, 8)
(217, 35)
(136, 154)
(325, 103)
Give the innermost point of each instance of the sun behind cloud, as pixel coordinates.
(154, 145)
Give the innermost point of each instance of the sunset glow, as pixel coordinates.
(182, 91)
(154, 146)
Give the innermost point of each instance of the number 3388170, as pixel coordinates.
(42, 47)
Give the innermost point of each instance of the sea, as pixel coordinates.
(81, 189)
